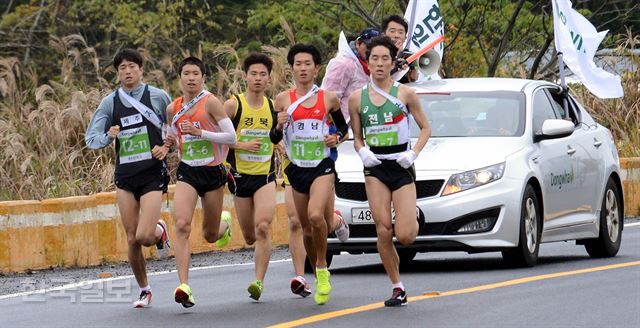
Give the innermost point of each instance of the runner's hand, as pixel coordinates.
(406, 158)
(160, 152)
(188, 128)
(281, 120)
(252, 146)
(331, 140)
(368, 157)
(113, 131)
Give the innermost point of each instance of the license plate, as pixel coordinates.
(363, 215)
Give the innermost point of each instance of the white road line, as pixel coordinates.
(95, 281)
(627, 225)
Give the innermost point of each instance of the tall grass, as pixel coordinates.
(42, 127)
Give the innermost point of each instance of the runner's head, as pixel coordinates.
(364, 39)
(257, 68)
(304, 60)
(381, 57)
(128, 62)
(191, 75)
(396, 28)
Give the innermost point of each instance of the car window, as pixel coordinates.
(556, 101)
(473, 114)
(542, 110)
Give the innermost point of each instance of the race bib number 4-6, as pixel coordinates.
(196, 151)
(266, 147)
(382, 135)
(134, 145)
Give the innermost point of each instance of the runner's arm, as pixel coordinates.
(96, 136)
(228, 134)
(276, 131)
(336, 115)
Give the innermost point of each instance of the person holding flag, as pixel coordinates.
(425, 25)
(203, 132)
(133, 116)
(381, 110)
(395, 27)
(303, 115)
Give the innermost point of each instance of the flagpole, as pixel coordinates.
(563, 84)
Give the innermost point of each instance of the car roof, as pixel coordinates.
(486, 84)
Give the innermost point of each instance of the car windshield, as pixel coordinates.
(473, 114)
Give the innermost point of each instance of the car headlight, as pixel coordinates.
(474, 178)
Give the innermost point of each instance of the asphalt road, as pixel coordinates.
(565, 289)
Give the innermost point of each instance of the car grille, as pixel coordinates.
(356, 191)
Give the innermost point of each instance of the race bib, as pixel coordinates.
(382, 135)
(134, 145)
(196, 151)
(266, 147)
(307, 153)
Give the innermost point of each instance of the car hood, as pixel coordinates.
(441, 155)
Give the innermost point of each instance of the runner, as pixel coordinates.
(382, 110)
(203, 131)
(133, 116)
(299, 285)
(252, 174)
(303, 115)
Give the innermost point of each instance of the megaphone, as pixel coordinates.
(429, 62)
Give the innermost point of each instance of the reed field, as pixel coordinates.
(42, 125)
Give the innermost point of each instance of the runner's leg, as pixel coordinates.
(380, 204)
(265, 207)
(129, 210)
(185, 198)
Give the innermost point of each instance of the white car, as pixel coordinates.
(504, 170)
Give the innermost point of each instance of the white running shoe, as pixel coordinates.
(144, 300)
(342, 232)
(299, 286)
(163, 245)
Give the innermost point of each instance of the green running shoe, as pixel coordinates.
(226, 237)
(323, 286)
(184, 296)
(255, 289)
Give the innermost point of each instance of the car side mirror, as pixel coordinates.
(554, 129)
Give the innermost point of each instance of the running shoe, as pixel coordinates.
(299, 286)
(342, 232)
(226, 237)
(323, 286)
(398, 298)
(255, 289)
(163, 245)
(184, 296)
(144, 300)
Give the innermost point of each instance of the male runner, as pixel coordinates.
(303, 116)
(133, 116)
(203, 132)
(252, 176)
(381, 109)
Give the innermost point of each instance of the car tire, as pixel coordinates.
(526, 253)
(308, 268)
(611, 222)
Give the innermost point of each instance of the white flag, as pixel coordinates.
(427, 26)
(578, 41)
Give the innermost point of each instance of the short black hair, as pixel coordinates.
(191, 61)
(128, 54)
(386, 42)
(257, 58)
(304, 48)
(396, 19)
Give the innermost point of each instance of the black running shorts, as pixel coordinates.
(301, 178)
(391, 174)
(154, 179)
(202, 178)
(246, 185)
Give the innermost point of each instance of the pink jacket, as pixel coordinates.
(344, 75)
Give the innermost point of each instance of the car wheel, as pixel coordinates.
(308, 268)
(611, 222)
(526, 254)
